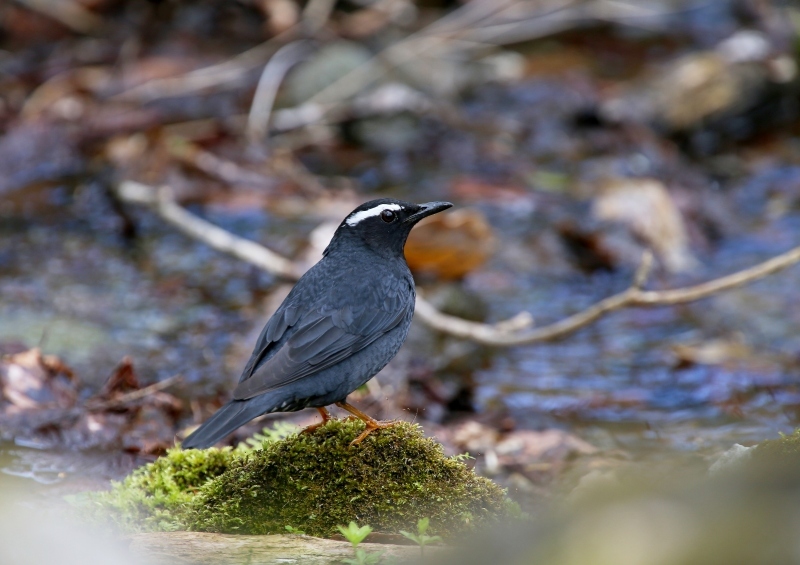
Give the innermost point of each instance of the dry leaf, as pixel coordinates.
(451, 245)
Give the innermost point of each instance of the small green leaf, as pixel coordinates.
(409, 535)
(354, 534)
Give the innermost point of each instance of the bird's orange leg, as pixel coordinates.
(371, 423)
(326, 416)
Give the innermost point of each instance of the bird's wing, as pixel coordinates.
(320, 339)
(284, 318)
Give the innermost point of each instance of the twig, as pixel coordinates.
(503, 334)
(200, 229)
(267, 89)
(232, 72)
(632, 297)
(69, 13)
(134, 395)
(225, 170)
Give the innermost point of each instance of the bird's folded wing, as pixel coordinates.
(320, 340)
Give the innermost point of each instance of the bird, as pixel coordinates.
(343, 321)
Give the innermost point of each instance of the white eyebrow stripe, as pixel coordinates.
(364, 214)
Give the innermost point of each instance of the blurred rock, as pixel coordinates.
(446, 73)
(399, 132)
(474, 437)
(523, 447)
(694, 88)
(731, 459)
(539, 456)
(642, 515)
(700, 85)
(325, 67)
(714, 352)
(646, 207)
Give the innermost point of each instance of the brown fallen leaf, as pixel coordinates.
(31, 381)
(122, 380)
(449, 246)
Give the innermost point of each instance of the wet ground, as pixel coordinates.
(526, 155)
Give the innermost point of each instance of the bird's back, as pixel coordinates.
(337, 309)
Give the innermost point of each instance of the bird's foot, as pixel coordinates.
(326, 417)
(372, 425)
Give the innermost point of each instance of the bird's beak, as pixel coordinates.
(427, 209)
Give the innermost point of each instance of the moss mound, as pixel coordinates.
(785, 448)
(317, 481)
(776, 460)
(157, 496)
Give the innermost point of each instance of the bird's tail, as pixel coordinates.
(231, 416)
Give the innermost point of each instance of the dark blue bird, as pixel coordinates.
(344, 320)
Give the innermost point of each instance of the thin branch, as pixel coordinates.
(134, 395)
(232, 72)
(632, 297)
(515, 331)
(67, 12)
(193, 226)
(267, 89)
(225, 170)
(229, 73)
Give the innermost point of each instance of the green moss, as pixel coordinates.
(311, 482)
(155, 497)
(775, 460)
(316, 482)
(785, 448)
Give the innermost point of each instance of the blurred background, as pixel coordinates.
(571, 135)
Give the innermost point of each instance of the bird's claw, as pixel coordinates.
(371, 427)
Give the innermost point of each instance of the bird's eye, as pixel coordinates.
(388, 216)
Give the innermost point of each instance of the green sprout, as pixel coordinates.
(421, 538)
(279, 431)
(355, 536)
(295, 531)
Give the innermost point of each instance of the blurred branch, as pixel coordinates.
(134, 395)
(230, 72)
(632, 297)
(267, 89)
(225, 170)
(478, 24)
(69, 13)
(163, 204)
(315, 15)
(514, 331)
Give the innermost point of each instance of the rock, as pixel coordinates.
(326, 66)
(172, 548)
(647, 209)
(731, 458)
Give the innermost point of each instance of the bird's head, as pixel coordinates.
(383, 224)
